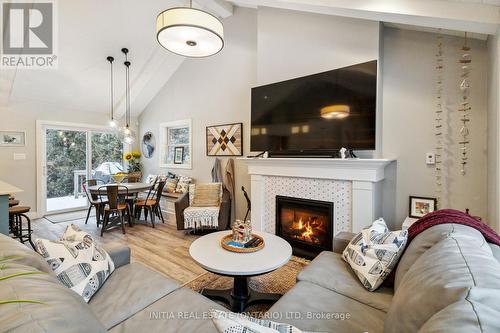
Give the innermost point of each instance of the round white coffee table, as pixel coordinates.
(210, 255)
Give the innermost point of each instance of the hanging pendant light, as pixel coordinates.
(112, 122)
(190, 32)
(128, 134)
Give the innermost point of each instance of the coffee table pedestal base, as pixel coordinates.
(240, 296)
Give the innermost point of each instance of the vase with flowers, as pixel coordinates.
(134, 161)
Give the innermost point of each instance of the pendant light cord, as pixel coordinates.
(112, 93)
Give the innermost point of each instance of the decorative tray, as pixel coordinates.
(227, 243)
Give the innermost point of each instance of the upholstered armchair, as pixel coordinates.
(224, 211)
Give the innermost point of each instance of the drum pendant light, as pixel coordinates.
(189, 32)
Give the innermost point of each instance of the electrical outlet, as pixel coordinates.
(430, 158)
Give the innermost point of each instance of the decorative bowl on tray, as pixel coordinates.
(255, 243)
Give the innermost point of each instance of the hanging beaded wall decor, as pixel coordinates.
(464, 106)
(438, 125)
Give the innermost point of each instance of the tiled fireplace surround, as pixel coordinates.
(353, 185)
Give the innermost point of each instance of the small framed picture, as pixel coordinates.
(178, 155)
(420, 206)
(12, 139)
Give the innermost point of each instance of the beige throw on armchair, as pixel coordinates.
(204, 206)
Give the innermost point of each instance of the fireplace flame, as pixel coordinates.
(305, 230)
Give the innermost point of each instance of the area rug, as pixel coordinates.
(66, 217)
(279, 281)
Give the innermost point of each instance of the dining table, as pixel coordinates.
(132, 188)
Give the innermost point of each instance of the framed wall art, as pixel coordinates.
(12, 139)
(178, 155)
(420, 206)
(225, 140)
(148, 145)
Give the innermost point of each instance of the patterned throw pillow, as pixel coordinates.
(230, 322)
(207, 195)
(183, 184)
(170, 185)
(77, 261)
(373, 253)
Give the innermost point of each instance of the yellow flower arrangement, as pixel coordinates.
(136, 154)
(127, 156)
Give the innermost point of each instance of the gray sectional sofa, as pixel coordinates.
(448, 280)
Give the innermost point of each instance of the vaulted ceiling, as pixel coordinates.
(91, 30)
(88, 32)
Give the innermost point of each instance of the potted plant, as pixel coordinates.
(134, 164)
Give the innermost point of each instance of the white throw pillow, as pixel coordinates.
(230, 322)
(373, 253)
(78, 262)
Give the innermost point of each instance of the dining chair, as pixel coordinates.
(115, 205)
(151, 204)
(94, 200)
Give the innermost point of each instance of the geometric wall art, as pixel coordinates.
(225, 140)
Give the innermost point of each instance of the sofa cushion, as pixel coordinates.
(424, 241)
(207, 195)
(465, 316)
(330, 271)
(310, 307)
(61, 309)
(374, 252)
(129, 289)
(79, 263)
(23, 254)
(495, 249)
(459, 267)
(181, 311)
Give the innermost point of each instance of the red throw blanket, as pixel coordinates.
(452, 216)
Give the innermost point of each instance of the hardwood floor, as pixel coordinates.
(164, 248)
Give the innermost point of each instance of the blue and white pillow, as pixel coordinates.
(77, 261)
(374, 252)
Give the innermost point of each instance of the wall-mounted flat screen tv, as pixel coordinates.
(317, 114)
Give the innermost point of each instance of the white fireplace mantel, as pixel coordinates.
(363, 174)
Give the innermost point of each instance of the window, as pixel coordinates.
(175, 144)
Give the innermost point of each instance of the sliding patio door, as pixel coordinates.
(69, 155)
(66, 169)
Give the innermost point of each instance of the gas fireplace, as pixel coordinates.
(306, 224)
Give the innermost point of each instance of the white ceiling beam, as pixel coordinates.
(462, 16)
(221, 8)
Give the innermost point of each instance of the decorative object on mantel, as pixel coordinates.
(148, 145)
(189, 32)
(12, 139)
(465, 107)
(438, 120)
(225, 140)
(421, 206)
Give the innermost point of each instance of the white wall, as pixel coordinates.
(210, 91)
(270, 45)
(493, 132)
(23, 117)
(293, 44)
(408, 120)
